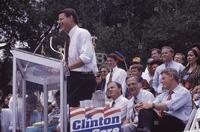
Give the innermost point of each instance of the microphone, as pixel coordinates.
(50, 30)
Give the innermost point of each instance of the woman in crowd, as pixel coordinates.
(191, 74)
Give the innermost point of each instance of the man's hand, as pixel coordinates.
(138, 106)
(77, 64)
(147, 105)
(143, 105)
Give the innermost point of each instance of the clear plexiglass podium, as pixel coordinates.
(39, 93)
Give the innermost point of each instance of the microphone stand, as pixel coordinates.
(66, 69)
(43, 37)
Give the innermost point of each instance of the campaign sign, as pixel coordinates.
(95, 119)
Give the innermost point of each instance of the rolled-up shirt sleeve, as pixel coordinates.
(86, 47)
(178, 101)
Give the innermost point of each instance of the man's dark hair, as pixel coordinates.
(196, 44)
(139, 67)
(104, 66)
(70, 12)
(157, 50)
(118, 84)
(113, 56)
(168, 47)
(158, 62)
(179, 53)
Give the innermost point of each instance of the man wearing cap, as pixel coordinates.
(116, 74)
(136, 60)
(155, 55)
(151, 67)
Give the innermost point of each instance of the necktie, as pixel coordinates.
(167, 65)
(113, 103)
(135, 100)
(111, 74)
(170, 95)
(66, 49)
(135, 113)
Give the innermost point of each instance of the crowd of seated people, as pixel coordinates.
(149, 107)
(150, 97)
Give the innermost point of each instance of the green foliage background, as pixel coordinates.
(131, 26)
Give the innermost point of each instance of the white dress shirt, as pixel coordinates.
(119, 75)
(146, 75)
(157, 85)
(6, 119)
(81, 47)
(180, 104)
(143, 96)
(121, 102)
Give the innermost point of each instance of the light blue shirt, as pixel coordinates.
(157, 85)
(180, 104)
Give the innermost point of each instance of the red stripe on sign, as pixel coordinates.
(77, 113)
(74, 108)
(88, 109)
(111, 112)
(106, 108)
(96, 111)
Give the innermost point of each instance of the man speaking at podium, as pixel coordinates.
(81, 58)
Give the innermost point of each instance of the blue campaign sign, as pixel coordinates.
(95, 120)
(109, 128)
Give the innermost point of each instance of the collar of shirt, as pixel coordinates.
(71, 32)
(118, 99)
(165, 94)
(138, 96)
(175, 89)
(167, 64)
(115, 68)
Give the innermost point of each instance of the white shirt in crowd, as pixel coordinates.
(119, 75)
(121, 102)
(6, 119)
(81, 47)
(157, 85)
(19, 110)
(146, 75)
(143, 96)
